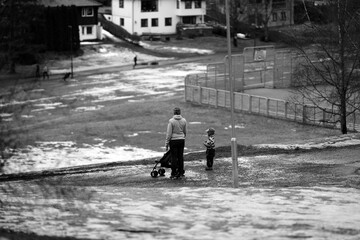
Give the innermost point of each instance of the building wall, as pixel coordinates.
(87, 20)
(131, 16)
(279, 16)
(248, 8)
(88, 28)
(88, 32)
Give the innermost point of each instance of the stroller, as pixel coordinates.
(165, 162)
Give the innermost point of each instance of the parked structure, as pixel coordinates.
(89, 29)
(157, 17)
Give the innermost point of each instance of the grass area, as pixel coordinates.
(118, 120)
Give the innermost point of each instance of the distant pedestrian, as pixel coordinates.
(37, 71)
(175, 139)
(45, 72)
(235, 41)
(135, 61)
(209, 143)
(66, 76)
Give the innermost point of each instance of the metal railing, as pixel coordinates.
(196, 93)
(118, 31)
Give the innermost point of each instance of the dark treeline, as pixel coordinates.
(28, 29)
(62, 28)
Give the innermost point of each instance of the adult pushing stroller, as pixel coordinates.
(165, 162)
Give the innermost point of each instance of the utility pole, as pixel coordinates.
(235, 174)
(71, 51)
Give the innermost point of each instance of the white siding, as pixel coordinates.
(84, 32)
(132, 15)
(166, 9)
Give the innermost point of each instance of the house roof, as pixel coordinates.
(78, 3)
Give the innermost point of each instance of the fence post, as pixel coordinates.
(200, 95)
(267, 106)
(250, 104)
(295, 112)
(314, 115)
(192, 94)
(304, 114)
(242, 102)
(185, 88)
(206, 78)
(209, 97)
(286, 109)
(354, 119)
(216, 98)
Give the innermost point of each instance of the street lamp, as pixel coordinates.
(71, 50)
(235, 174)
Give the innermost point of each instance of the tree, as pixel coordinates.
(58, 31)
(327, 74)
(21, 22)
(267, 11)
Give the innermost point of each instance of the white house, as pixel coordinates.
(141, 17)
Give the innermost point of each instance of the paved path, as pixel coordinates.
(311, 195)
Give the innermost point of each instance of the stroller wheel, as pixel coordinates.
(154, 174)
(162, 172)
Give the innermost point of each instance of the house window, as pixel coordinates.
(188, 4)
(122, 22)
(283, 16)
(121, 3)
(168, 21)
(144, 23)
(274, 17)
(197, 3)
(149, 5)
(255, 1)
(154, 22)
(189, 20)
(87, 12)
(178, 4)
(87, 30)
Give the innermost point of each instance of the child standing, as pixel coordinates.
(210, 149)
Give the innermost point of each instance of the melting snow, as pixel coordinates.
(51, 155)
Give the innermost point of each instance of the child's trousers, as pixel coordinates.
(210, 154)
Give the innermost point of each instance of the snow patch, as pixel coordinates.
(52, 155)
